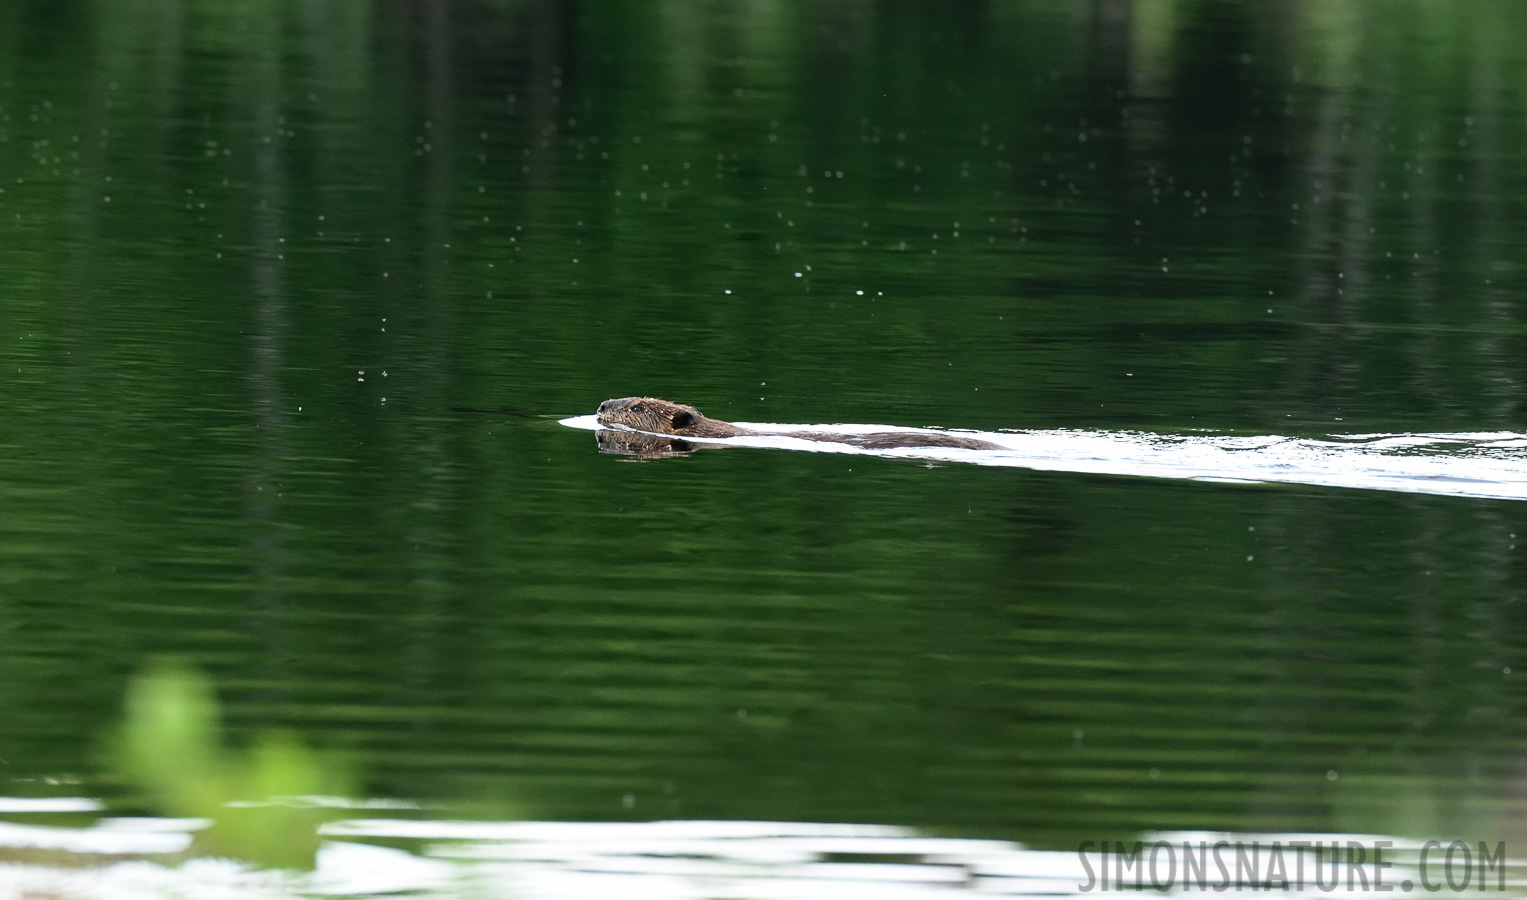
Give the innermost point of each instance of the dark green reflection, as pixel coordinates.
(292, 292)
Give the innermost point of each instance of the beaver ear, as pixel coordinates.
(683, 419)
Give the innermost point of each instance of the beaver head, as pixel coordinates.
(649, 414)
(662, 417)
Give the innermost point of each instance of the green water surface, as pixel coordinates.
(292, 295)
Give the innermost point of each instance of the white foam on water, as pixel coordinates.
(688, 860)
(107, 837)
(48, 804)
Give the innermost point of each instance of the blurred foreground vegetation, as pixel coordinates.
(265, 804)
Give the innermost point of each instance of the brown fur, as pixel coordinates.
(655, 416)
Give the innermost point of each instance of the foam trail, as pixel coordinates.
(1478, 464)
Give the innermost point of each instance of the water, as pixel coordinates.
(295, 296)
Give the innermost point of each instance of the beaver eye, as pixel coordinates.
(682, 419)
(637, 407)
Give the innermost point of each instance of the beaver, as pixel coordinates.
(661, 417)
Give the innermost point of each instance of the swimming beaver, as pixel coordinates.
(662, 417)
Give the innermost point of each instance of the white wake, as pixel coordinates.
(1479, 464)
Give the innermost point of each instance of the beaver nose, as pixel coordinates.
(604, 406)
